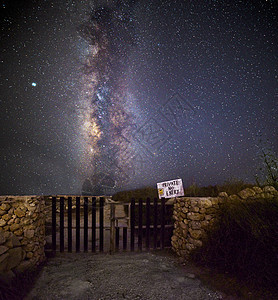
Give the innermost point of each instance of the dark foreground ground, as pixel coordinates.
(153, 275)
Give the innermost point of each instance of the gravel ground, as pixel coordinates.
(150, 275)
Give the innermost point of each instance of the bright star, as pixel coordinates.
(34, 84)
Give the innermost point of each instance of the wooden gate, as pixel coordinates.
(82, 224)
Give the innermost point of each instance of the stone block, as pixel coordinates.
(269, 189)
(205, 203)
(5, 206)
(194, 216)
(223, 194)
(185, 210)
(195, 234)
(29, 254)
(194, 209)
(257, 189)
(3, 249)
(2, 222)
(214, 201)
(19, 213)
(195, 225)
(246, 193)
(15, 257)
(15, 227)
(29, 233)
(3, 257)
(18, 232)
(2, 237)
(6, 217)
(193, 202)
(234, 197)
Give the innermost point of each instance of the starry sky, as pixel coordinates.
(113, 95)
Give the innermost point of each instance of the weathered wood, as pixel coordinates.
(148, 206)
(85, 224)
(124, 238)
(101, 207)
(69, 224)
(155, 213)
(132, 224)
(94, 224)
(140, 224)
(54, 224)
(112, 228)
(117, 238)
(162, 222)
(62, 224)
(77, 224)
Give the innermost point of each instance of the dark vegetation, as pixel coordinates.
(231, 187)
(244, 244)
(20, 285)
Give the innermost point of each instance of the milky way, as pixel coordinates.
(111, 95)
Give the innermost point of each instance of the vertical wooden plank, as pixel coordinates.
(62, 224)
(69, 224)
(148, 223)
(53, 224)
(101, 207)
(155, 223)
(132, 224)
(124, 238)
(140, 224)
(117, 237)
(77, 224)
(162, 222)
(94, 224)
(112, 228)
(85, 224)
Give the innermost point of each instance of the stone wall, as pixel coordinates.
(194, 216)
(22, 233)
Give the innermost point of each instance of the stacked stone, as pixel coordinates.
(22, 233)
(194, 216)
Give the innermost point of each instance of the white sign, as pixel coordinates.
(170, 189)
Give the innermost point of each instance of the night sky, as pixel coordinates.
(125, 94)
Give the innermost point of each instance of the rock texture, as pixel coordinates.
(22, 233)
(194, 216)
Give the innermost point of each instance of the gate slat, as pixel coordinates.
(124, 238)
(162, 221)
(54, 224)
(132, 224)
(69, 224)
(94, 224)
(155, 223)
(148, 223)
(62, 224)
(101, 206)
(77, 224)
(140, 223)
(85, 224)
(117, 237)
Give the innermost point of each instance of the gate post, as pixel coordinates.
(112, 228)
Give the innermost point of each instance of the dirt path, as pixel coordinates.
(121, 276)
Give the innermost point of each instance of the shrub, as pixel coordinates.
(244, 242)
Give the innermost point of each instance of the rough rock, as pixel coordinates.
(2, 238)
(247, 193)
(15, 257)
(3, 249)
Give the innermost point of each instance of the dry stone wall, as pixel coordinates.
(22, 233)
(194, 216)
